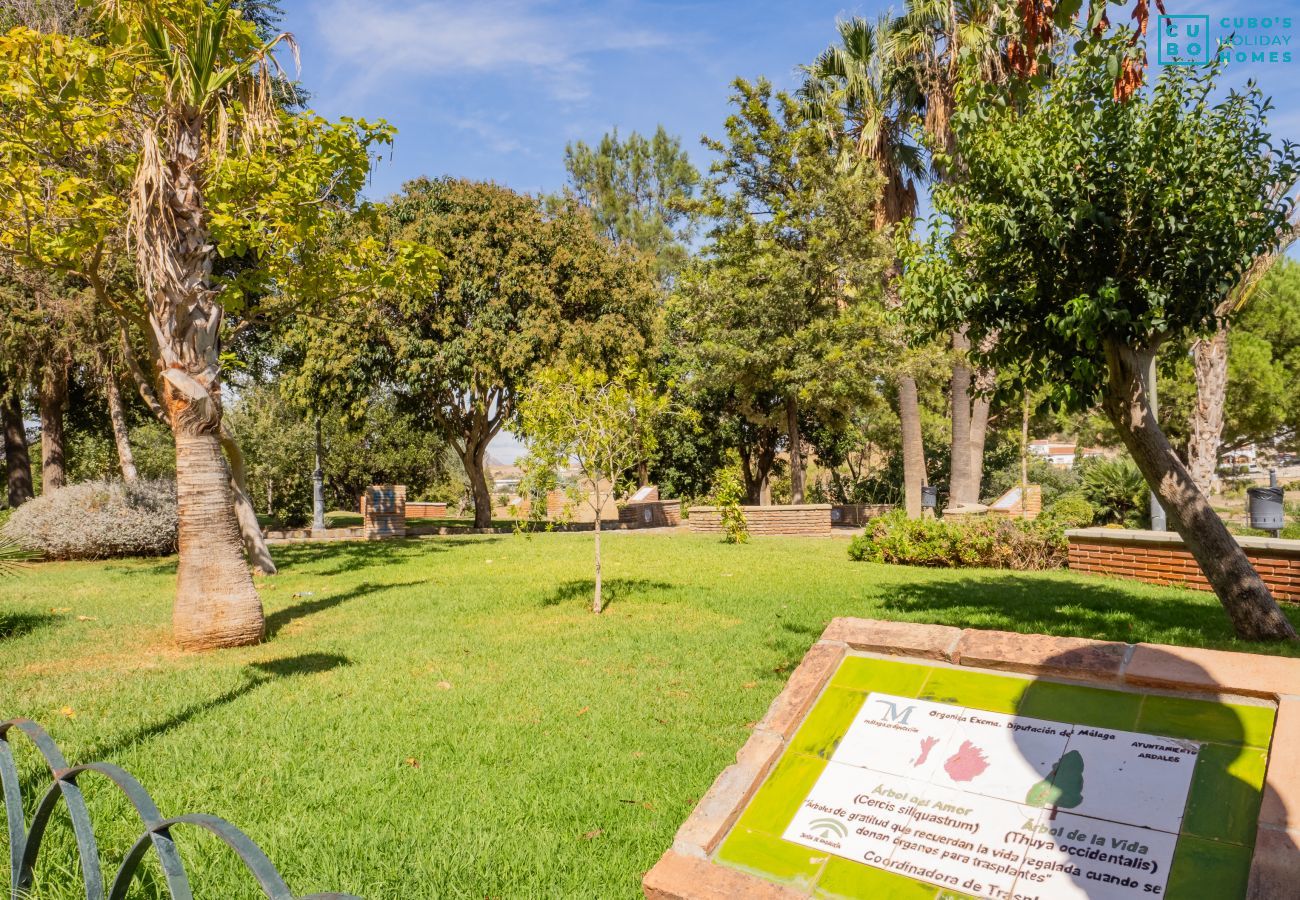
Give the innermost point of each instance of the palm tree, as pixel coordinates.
(938, 42)
(879, 102)
(219, 82)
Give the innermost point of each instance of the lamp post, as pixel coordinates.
(318, 487)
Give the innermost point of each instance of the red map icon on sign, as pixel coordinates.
(927, 744)
(967, 763)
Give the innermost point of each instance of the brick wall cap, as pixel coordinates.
(1139, 536)
(677, 877)
(917, 639)
(1217, 671)
(775, 507)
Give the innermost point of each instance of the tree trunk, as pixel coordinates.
(796, 450)
(52, 397)
(250, 530)
(597, 602)
(1205, 430)
(18, 464)
(472, 458)
(121, 434)
(979, 430)
(216, 603)
(1254, 613)
(959, 489)
(909, 415)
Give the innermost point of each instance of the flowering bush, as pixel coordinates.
(98, 519)
(986, 542)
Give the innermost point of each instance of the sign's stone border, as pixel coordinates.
(685, 872)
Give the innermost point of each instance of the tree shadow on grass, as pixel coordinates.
(255, 675)
(613, 590)
(16, 624)
(277, 620)
(351, 556)
(1026, 603)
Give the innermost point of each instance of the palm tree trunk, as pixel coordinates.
(1254, 613)
(216, 603)
(909, 415)
(52, 398)
(121, 433)
(979, 430)
(18, 463)
(1205, 430)
(959, 446)
(796, 450)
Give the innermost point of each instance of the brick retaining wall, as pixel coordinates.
(812, 518)
(858, 514)
(421, 509)
(1159, 557)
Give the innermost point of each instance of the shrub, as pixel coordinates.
(985, 542)
(727, 494)
(1071, 510)
(98, 519)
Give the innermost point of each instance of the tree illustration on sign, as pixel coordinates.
(968, 762)
(1063, 786)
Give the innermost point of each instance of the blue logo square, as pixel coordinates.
(1183, 40)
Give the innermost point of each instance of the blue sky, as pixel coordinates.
(494, 89)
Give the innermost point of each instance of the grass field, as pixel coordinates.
(444, 717)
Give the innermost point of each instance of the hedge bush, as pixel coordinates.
(1071, 510)
(985, 542)
(97, 520)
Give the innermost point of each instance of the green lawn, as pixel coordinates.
(444, 718)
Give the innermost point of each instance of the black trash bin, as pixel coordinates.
(929, 496)
(1265, 505)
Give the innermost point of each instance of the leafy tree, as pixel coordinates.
(600, 422)
(141, 135)
(1063, 786)
(635, 188)
(520, 289)
(386, 446)
(856, 87)
(783, 308)
(1097, 230)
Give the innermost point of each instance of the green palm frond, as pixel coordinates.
(13, 557)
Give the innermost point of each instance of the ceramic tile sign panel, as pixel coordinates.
(1000, 806)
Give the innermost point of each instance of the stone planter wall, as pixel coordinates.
(812, 518)
(1159, 557)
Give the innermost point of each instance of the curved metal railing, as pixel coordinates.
(25, 842)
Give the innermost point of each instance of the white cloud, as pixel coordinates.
(378, 39)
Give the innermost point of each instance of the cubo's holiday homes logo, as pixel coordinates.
(1189, 40)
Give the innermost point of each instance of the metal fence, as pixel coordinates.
(25, 842)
